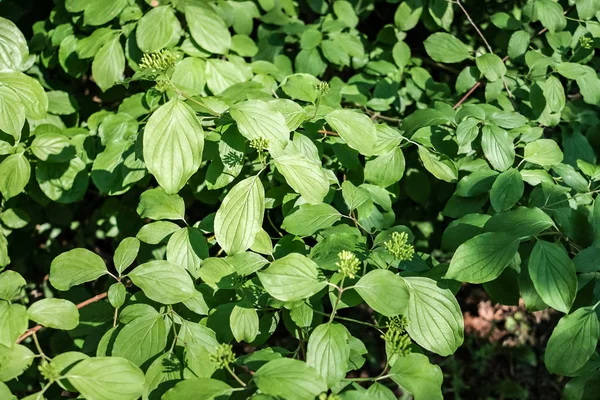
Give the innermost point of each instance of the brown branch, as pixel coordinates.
(327, 133)
(36, 328)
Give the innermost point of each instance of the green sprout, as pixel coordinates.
(260, 144)
(398, 246)
(586, 42)
(323, 87)
(223, 356)
(348, 264)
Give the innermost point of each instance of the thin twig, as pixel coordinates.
(464, 10)
(327, 133)
(36, 328)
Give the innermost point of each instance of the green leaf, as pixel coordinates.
(75, 267)
(244, 324)
(107, 378)
(544, 152)
(572, 342)
(387, 169)
(14, 361)
(551, 15)
(423, 118)
(518, 44)
(293, 277)
(408, 14)
(483, 258)
(61, 103)
(198, 389)
(443, 47)
(189, 77)
(290, 379)
(498, 147)
(304, 175)
(29, 91)
(345, 12)
(221, 74)
(208, 29)
(11, 284)
(15, 53)
(476, 183)
(507, 190)
(12, 113)
(117, 294)
(52, 147)
(88, 47)
(571, 177)
(109, 64)
(99, 12)
(240, 216)
(553, 275)
(554, 93)
(384, 291)
(505, 21)
(356, 129)
(163, 282)
(435, 319)
(328, 352)
(440, 166)
(126, 253)
(14, 175)
(417, 375)
(63, 182)
(310, 218)
(156, 29)
(256, 120)
(491, 66)
(586, 9)
(187, 247)
(54, 313)
(156, 232)
(157, 204)
(522, 222)
(163, 373)
(141, 339)
(173, 144)
(14, 322)
(5, 392)
(301, 87)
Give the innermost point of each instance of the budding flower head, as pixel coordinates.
(397, 340)
(398, 246)
(158, 61)
(348, 264)
(223, 356)
(162, 85)
(586, 42)
(323, 87)
(259, 144)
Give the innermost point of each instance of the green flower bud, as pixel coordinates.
(323, 87)
(223, 356)
(158, 61)
(586, 42)
(348, 264)
(398, 247)
(260, 144)
(397, 340)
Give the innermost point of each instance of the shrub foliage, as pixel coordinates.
(233, 199)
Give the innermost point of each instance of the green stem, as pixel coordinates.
(228, 368)
(38, 347)
(348, 319)
(337, 301)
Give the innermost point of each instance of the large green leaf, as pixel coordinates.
(99, 12)
(356, 129)
(54, 313)
(173, 144)
(293, 277)
(109, 64)
(507, 190)
(107, 378)
(408, 14)
(435, 319)
(11, 284)
(14, 361)
(163, 282)
(384, 291)
(240, 216)
(328, 351)
(304, 175)
(156, 29)
(310, 218)
(483, 258)
(208, 29)
(14, 322)
(572, 342)
(497, 147)
(75, 267)
(244, 324)
(553, 275)
(187, 247)
(63, 182)
(14, 53)
(386, 169)
(256, 120)
(12, 113)
(31, 94)
(198, 388)
(522, 222)
(544, 152)
(141, 339)
(14, 175)
(290, 379)
(416, 374)
(443, 47)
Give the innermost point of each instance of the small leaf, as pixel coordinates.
(293, 277)
(551, 15)
(126, 253)
(54, 313)
(289, 379)
(173, 144)
(156, 29)
(208, 29)
(75, 267)
(522, 222)
(310, 218)
(386, 169)
(491, 66)
(417, 375)
(442, 334)
(109, 64)
(11, 284)
(553, 275)
(141, 339)
(507, 190)
(328, 352)
(572, 342)
(498, 147)
(244, 324)
(384, 291)
(356, 129)
(443, 47)
(14, 360)
(408, 14)
(14, 322)
(14, 175)
(544, 152)
(256, 120)
(483, 258)
(163, 282)
(240, 216)
(107, 378)
(304, 176)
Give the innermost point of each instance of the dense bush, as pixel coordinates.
(281, 199)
